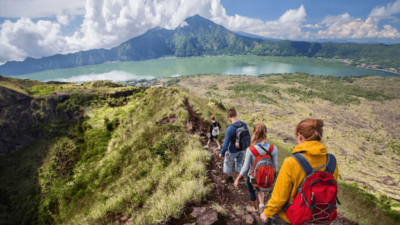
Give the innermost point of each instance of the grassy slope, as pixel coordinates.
(120, 162)
(18, 84)
(359, 130)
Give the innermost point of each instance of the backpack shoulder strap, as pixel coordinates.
(303, 163)
(270, 149)
(254, 151)
(330, 163)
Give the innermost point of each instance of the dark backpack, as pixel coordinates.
(315, 201)
(243, 138)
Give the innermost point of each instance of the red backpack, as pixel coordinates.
(262, 175)
(315, 201)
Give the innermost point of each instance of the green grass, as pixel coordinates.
(127, 164)
(338, 90)
(18, 85)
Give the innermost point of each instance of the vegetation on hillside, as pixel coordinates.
(330, 88)
(18, 85)
(121, 160)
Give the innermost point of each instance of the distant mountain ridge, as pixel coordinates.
(203, 37)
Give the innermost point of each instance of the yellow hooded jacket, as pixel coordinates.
(291, 175)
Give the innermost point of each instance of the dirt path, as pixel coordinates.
(232, 201)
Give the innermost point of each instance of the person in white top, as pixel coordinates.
(215, 129)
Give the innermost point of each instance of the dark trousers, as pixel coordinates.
(252, 190)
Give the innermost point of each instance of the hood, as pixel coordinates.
(311, 147)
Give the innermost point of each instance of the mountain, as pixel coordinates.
(242, 33)
(199, 36)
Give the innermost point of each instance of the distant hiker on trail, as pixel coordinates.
(313, 172)
(215, 128)
(266, 158)
(237, 139)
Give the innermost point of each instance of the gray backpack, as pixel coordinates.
(243, 137)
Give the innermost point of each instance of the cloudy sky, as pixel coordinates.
(38, 28)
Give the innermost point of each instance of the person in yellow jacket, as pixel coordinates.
(308, 135)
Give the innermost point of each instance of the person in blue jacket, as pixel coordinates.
(228, 149)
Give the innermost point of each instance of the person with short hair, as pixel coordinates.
(308, 134)
(215, 129)
(259, 139)
(229, 150)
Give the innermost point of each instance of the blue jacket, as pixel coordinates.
(230, 138)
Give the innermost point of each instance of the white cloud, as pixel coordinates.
(287, 25)
(386, 11)
(40, 8)
(346, 26)
(63, 19)
(337, 20)
(115, 75)
(25, 38)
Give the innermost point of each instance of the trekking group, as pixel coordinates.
(304, 191)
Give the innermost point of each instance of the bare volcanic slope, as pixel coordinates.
(366, 147)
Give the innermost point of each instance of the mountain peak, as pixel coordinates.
(197, 20)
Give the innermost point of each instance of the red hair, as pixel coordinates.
(311, 129)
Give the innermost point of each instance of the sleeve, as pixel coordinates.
(211, 127)
(219, 125)
(282, 190)
(246, 165)
(275, 157)
(227, 140)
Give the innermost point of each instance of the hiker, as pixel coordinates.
(237, 139)
(310, 163)
(215, 127)
(260, 147)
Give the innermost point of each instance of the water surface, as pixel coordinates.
(246, 65)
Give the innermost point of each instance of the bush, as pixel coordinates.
(213, 87)
(75, 101)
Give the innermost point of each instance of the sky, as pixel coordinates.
(38, 28)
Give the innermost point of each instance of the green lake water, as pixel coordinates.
(246, 65)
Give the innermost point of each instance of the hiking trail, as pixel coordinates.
(230, 202)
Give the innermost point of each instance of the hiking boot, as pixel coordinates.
(261, 208)
(205, 146)
(251, 209)
(229, 180)
(219, 148)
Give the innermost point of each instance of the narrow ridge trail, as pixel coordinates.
(224, 205)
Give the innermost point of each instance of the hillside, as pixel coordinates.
(199, 37)
(361, 117)
(113, 154)
(116, 157)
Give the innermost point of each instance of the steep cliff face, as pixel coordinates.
(20, 114)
